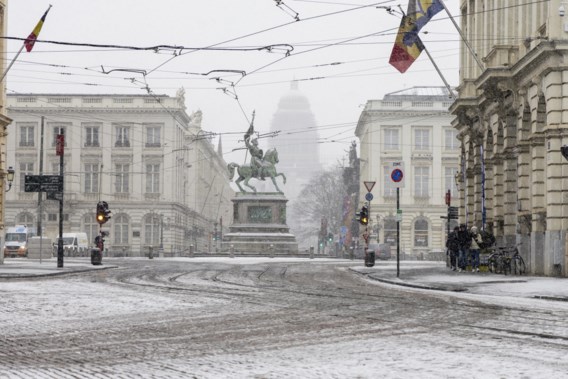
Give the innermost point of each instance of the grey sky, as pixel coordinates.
(338, 70)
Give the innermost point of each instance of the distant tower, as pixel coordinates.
(297, 142)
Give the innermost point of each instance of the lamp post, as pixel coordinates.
(10, 177)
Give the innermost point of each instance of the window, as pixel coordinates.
(91, 177)
(451, 139)
(122, 136)
(421, 139)
(26, 168)
(92, 135)
(153, 178)
(121, 184)
(56, 130)
(91, 227)
(52, 217)
(153, 136)
(421, 181)
(27, 135)
(25, 219)
(450, 180)
(421, 233)
(390, 230)
(391, 141)
(120, 234)
(389, 187)
(152, 230)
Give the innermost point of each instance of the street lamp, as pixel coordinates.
(10, 177)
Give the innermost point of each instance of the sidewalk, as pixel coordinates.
(32, 268)
(436, 276)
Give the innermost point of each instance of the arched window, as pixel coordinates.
(152, 230)
(121, 228)
(25, 219)
(91, 227)
(421, 233)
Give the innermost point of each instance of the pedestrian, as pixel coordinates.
(476, 242)
(464, 242)
(453, 246)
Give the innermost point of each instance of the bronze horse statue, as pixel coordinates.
(247, 172)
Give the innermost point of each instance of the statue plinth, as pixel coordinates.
(259, 226)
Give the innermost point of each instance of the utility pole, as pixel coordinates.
(60, 147)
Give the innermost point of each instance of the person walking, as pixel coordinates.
(453, 246)
(476, 241)
(464, 239)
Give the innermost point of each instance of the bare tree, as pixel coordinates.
(321, 198)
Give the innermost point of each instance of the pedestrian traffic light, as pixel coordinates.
(103, 213)
(330, 238)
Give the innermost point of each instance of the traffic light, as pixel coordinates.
(103, 213)
(364, 215)
(330, 238)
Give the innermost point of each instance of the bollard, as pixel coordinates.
(150, 252)
(232, 251)
(271, 250)
(311, 252)
(191, 250)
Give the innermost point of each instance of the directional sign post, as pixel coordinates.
(43, 183)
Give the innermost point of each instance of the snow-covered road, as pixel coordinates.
(268, 319)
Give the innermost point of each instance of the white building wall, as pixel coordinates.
(411, 114)
(175, 210)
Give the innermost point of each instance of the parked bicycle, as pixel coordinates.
(506, 260)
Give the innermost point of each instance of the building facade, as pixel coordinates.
(165, 183)
(512, 121)
(411, 127)
(4, 122)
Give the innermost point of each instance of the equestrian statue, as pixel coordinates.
(261, 165)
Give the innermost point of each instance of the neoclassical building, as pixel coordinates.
(4, 122)
(165, 182)
(411, 126)
(512, 119)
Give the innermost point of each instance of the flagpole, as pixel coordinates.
(439, 72)
(35, 34)
(11, 63)
(479, 63)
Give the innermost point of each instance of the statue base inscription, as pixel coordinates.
(259, 226)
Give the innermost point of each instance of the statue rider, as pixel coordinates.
(256, 156)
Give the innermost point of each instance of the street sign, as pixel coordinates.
(453, 213)
(399, 215)
(397, 174)
(54, 196)
(343, 231)
(369, 186)
(369, 196)
(43, 183)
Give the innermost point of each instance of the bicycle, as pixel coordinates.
(506, 260)
(518, 263)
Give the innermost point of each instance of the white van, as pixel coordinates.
(74, 244)
(16, 240)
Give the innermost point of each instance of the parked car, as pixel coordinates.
(382, 250)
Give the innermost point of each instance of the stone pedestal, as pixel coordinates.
(259, 226)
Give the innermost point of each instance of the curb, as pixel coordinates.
(48, 274)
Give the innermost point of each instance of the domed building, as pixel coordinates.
(297, 140)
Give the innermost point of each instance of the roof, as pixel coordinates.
(421, 92)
